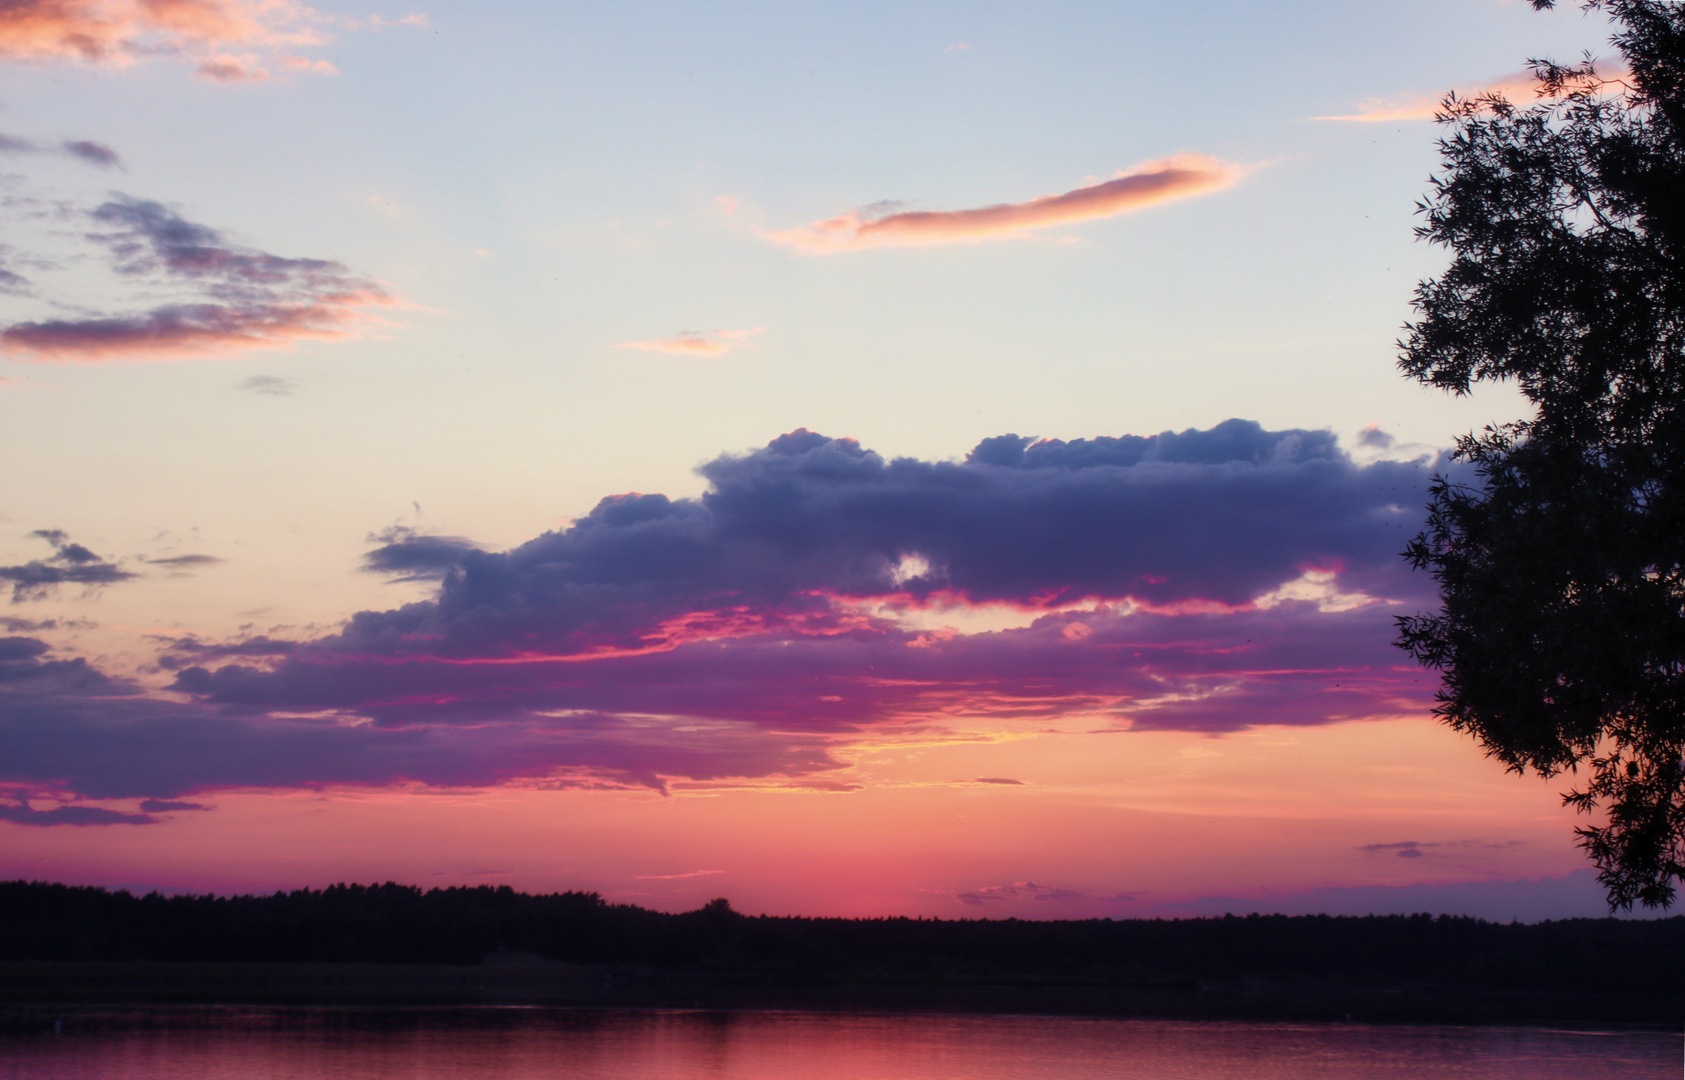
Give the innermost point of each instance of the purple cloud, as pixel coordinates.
(1201, 580)
(238, 298)
(70, 564)
(409, 555)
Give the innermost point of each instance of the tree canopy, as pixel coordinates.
(1561, 565)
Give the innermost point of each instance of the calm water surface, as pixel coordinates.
(280, 1044)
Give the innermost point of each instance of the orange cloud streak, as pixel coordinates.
(1519, 87)
(1147, 184)
(694, 342)
(194, 331)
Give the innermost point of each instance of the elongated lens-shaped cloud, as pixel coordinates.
(709, 343)
(1519, 87)
(1147, 184)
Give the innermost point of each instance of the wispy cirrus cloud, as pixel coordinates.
(231, 298)
(1147, 184)
(226, 40)
(707, 343)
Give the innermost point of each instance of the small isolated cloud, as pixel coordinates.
(675, 877)
(708, 343)
(70, 564)
(1415, 849)
(232, 69)
(1148, 184)
(230, 298)
(116, 33)
(182, 565)
(1018, 890)
(92, 153)
(268, 385)
(996, 780)
(410, 555)
(1404, 849)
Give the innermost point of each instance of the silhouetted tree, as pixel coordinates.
(1561, 639)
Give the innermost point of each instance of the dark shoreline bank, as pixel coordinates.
(398, 946)
(35, 994)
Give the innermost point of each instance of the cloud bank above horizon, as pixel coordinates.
(817, 596)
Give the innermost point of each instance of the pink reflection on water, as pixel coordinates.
(529, 1044)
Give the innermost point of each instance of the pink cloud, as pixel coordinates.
(118, 32)
(232, 69)
(1148, 184)
(709, 343)
(1518, 87)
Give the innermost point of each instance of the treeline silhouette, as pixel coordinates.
(401, 924)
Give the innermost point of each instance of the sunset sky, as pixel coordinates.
(934, 459)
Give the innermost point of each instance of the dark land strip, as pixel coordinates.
(67, 951)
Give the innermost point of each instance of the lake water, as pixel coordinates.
(526, 1044)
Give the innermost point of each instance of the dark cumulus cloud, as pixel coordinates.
(1204, 580)
(1218, 517)
(70, 564)
(233, 298)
